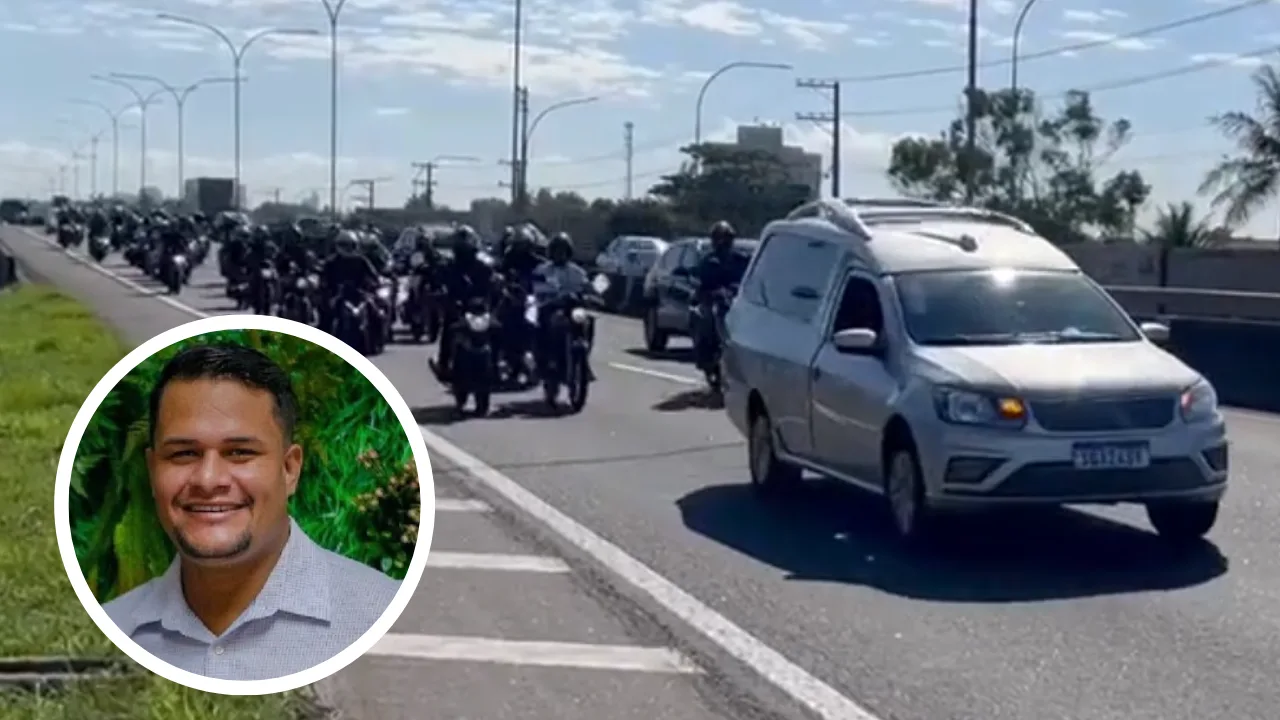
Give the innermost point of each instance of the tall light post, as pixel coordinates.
(333, 10)
(144, 102)
(1013, 53)
(180, 97)
(702, 94)
(528, 133)
(114, 117)
(519, 99)
(237, 61)
(971, 108)
(1013, 82)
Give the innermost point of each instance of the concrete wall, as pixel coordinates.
(1226, 269)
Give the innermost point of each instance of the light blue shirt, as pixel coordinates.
(553, 281)
(314, 605)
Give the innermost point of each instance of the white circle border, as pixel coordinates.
(62, 494)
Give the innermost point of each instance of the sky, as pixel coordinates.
(426, 79)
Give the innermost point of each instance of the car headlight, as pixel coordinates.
(478, 322)
(1198, 403)
(967, 407)
(579, 315)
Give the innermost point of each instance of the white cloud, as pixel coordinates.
(1113, 40)
(1229, 59)
(721, 16)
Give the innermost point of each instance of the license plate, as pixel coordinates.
(1111, 456)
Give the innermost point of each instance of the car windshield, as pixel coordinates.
(1007, 307)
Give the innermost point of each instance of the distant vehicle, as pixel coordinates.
(625, 262)
(14, 211)
(669, 289)
(952, 359)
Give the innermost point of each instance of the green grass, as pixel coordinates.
(53, 351)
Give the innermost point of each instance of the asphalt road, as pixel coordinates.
(1061, 616)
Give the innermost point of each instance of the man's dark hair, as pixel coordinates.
(229, 361)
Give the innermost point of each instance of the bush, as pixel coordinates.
(344, 422)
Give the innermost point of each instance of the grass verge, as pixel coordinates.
(53, 351)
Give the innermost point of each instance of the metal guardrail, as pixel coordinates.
(1152, 302)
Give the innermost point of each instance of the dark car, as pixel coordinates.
(669, 289)
(14, 211)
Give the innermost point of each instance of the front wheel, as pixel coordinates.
(1182, 522)
(655, 338)
(905, 497)
(579, 382)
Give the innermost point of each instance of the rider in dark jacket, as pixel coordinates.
(520, 259)
(347, 274)
(465, 278)
(720, 270)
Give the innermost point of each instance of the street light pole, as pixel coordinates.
(333, 10)
(702, 94)
(114, 117)
(1013, 53)
(519, 102)
(971, 109)
(527, 134)
(237, 61)
(180, 97)
(144, 101)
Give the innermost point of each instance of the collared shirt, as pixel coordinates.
(551, 281)
(314, 605)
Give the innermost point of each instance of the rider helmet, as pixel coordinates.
(722, 235)
(560, 248)
(346, 243)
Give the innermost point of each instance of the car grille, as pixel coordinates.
(1088, 415)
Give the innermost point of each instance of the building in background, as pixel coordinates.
(210, 195)
(803, 168)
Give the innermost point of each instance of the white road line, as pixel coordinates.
(792, 679)
(495, 561)
(682, 379)
(461, 506)
(543, 654)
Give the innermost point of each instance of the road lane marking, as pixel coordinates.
(495, 561)
(670, 377)
(542, 654)
(825, 701)
(461, 506)
(795, 681)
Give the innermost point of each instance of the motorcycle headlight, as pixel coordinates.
(384, 293)
(301, 284)
(417, 260)
(579, 315)
(967, 407)
(1199, 403)
(478, 322)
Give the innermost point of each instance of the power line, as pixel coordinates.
(1118, 84)
(1063, 49)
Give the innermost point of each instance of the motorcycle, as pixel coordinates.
(266, 290)
(300, 301)
(567, 362)
(351, 324)
(421, 309)
(179, 269)
(473, 359)
(69, 235)
(384, 313)
(516, 307)
(99, 248)
(709, 353)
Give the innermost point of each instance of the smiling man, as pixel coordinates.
(249, 596)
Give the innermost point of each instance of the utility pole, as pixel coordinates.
(832, 117)
(371, 187)
(522, 161)
(971, 108)
(629, 137)
(425, 183)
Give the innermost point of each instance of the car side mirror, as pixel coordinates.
(856, 341)
(1157, 333)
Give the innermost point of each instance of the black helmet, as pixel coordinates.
(465, 241)
(722, 231)
(560, 244)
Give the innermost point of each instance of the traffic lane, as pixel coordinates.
(577, 611)
(1052, 615)
(878, 651)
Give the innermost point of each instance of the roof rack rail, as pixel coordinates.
(893, 202)
(841, 214)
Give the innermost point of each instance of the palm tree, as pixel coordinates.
(1177, 226)
(1250, 179)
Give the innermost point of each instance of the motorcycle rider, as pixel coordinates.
(466, 279)
(720, 270)
(172, 243)
(98, 224)
(555, 281)
(521, 258)
(345, 275)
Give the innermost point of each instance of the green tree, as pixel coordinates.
(1177, 226)
(749, 188)
(1247, 181)
(1041, 166)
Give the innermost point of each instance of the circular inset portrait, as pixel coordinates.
(244, 505)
